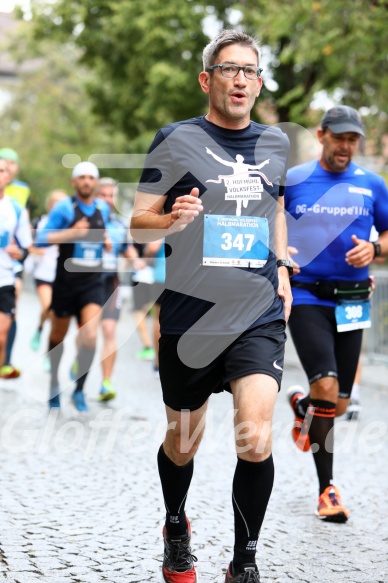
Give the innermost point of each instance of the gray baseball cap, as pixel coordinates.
(341, 119)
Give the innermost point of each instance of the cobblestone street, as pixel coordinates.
(81, 500)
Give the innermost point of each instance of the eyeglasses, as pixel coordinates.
(229, 70)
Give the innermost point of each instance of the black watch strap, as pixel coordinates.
(286, 263)
(377, 248)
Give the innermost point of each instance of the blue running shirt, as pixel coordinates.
(326, 209)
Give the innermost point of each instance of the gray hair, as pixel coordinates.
(225, 38)
(106, 181)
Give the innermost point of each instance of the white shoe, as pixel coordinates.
(353, 411)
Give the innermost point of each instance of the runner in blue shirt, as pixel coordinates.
(77, 225)
(333, 203)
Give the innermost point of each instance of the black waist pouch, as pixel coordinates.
(337, 290)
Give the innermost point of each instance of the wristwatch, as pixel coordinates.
(377, 247)
(286, 263)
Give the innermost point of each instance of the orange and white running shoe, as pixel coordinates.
(178, 563)
(301, 426)
(330, 508)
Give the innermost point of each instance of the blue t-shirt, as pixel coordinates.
(326, 209)
(159, 265)
(117, 233)
(62, 216)
(79, 261)
(212, 265)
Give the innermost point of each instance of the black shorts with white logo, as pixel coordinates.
(186, 385)
(7, 300)
(69, 299)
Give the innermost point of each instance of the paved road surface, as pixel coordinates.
(81, 500)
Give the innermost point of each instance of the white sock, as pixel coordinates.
(355, 396)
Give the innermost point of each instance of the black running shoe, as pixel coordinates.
(178, 563)
(248, 573)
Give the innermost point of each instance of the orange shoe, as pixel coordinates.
(300, 430)
(330, 506)
(178, 563)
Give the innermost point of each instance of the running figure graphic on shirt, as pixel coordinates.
(244, 184)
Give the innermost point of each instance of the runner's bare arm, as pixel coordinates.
(149, 222)
(284, 289)
(363, 252)
(79, 230)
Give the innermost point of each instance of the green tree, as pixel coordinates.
(338, 46)
(145, 55)
(50, 117)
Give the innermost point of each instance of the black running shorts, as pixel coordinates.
(69, 299)
(7, 300)
(259, 350)
(322, 350)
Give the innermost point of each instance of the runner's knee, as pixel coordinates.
(178, 449)
(254, 441)
(325, 388)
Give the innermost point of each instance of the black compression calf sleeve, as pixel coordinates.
(252, 487)
(175, 482)
(322, 415)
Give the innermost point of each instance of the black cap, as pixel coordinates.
(341, 119)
